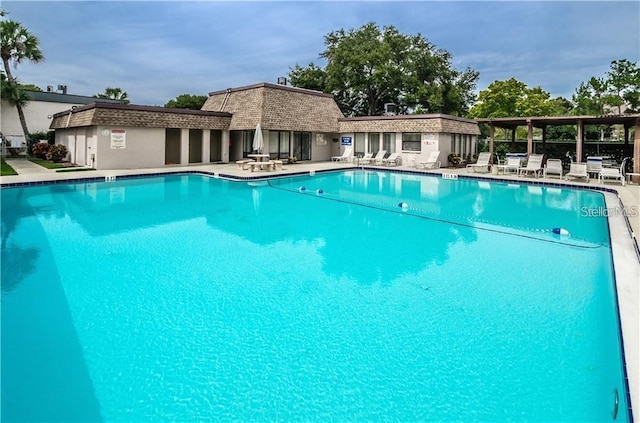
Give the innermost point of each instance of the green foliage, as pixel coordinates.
(114, 93)
(17, 44)
(6, 170)
(370, 66)
(36, 137)
(30, 87)
(311, 77)
(187, 101)
(512, 98)
(618, 92)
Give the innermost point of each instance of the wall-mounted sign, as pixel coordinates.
(118, 138)
(346, 141)
(106, 132)
(320, 139)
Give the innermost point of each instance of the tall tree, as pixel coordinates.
(370, 66)
(624, 86)
(590, 96)
(114, 93)
(16, 45)
(187, 101)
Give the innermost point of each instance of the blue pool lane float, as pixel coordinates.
(403, 206)
(302, 189)
(560, 231)
(319, 192)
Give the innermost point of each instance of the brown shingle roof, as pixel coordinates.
(132, 115)
(277, 107)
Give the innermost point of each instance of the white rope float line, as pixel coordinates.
(404, 208)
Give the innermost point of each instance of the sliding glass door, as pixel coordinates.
(302, 145)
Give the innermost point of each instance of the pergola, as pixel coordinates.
(541, 122)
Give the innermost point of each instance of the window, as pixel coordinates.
(247, 142)
(389, 142)
(411, 141)
(374, 143)
(302, 145)
(279, 144)
(359, 150)
(461, 144)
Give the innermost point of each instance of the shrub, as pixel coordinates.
(36, 137)
(40, 150)
(57, 153)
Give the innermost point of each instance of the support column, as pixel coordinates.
(206, 146)
(529, 137)
(579, 138)
(225, 146)
(636, 152)
(491, 135)
(184, 146)
(544, 140)
(627, 150)
(513, 139)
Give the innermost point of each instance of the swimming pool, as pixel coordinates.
(194, 298)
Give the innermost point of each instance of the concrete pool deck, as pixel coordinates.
(624, 226)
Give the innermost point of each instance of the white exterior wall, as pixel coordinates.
(321, 146)
(36, 113)
(144, 148)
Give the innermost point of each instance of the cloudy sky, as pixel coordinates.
(158, 50)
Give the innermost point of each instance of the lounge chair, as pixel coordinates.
(366, 158)
(378, 159)
(613, 173)
(481, 165)
(346, 155)
(392, 160)
(432, 161)
(553, 167)
(577, 171)
(512, 165)
(534, 165)
(594, 165)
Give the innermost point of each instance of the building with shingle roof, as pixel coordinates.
(295, 123)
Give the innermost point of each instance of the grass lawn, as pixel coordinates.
(48, 164)
(6, 169)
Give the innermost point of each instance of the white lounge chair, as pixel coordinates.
(432, 161)
(553, 167)
(367, 158)
(577, 171)
(512, 165)
(482, 165)
(594, 165)
(378, 159)
(346, 155)
(534, 165)
(612, 173)
(392, 160)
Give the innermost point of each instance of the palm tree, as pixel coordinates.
(114, 93)
(16, 45)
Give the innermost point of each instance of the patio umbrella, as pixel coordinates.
(258, 141)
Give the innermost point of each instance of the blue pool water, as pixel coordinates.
(185, 298)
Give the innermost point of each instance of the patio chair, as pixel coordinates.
(534, 165)
(577, 171)
(512, 165)
(346, 155)
(481, 165)
(553, 167)
(378, 159)
(594, 165)
(432, 161)
(392, 160)
(366, 159)
(613, 173)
